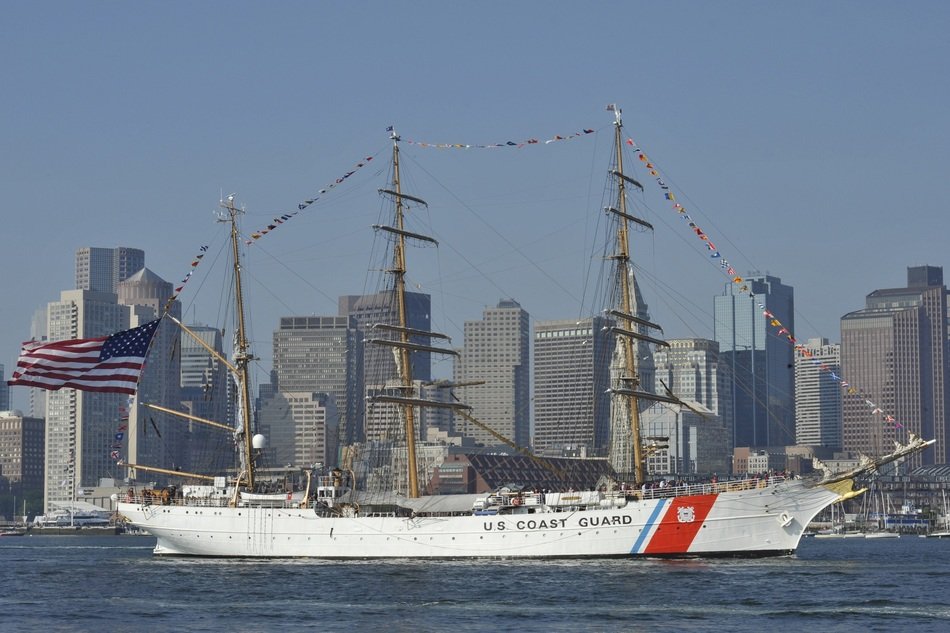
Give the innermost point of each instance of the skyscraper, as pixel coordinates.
(101, 269)
(4, 391)
(761, 362)
(375, 363)
(155, 438)
(894, 353)
(200, 371)
(818, 395)
(205, 393)
(693, 370)
(496, 351)
(697, 438)
(319, 354)
(38, 332)
(301, 428)
(571, 378)
(81, 425)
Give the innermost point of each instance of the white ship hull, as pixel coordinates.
(767, 520)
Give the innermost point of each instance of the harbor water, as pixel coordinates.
(115, 583)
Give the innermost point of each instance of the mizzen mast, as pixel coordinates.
(242, 356)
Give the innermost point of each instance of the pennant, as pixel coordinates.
(515, 144)
(275, 222)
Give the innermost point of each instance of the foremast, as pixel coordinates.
(626, 390)
(242, 356)
(402, 343)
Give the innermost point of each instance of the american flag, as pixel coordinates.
(106, 364)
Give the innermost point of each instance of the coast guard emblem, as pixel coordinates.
(686, 514)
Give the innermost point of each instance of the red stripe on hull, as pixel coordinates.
(674, 536)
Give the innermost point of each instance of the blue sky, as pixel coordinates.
(809, 140)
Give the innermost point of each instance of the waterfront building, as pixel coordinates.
(571, 378)
(761, 361)
(894, 353)
(465, 472)
(818, 394)
(496, 353)
(21, 451)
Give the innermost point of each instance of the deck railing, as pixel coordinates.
(708, 488)
(161, 497)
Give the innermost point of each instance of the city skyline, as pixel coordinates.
(793, 142)
(144, 293)
(347, 302)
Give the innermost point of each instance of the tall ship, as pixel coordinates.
(331, 515)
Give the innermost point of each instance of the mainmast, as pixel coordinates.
(404, 365)
(629, 325)
(407, 399)
(242, 357)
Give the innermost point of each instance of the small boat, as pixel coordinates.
(73, 519)
(849, 534)
(14, 531)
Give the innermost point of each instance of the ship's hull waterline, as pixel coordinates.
(768, 520)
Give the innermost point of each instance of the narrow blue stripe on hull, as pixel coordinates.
(646, 528)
